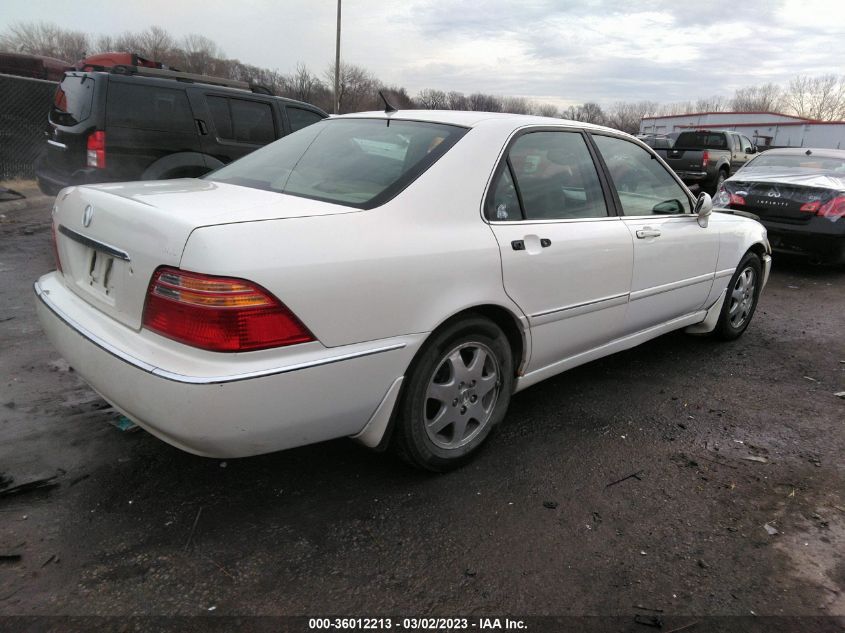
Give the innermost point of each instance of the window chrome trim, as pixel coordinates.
(675, 285)
(197, 380)
(97, 245)
(554, 221)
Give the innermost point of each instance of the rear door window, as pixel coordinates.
(242, 120)
(72, 101)
(300, 118)
(220, 116)
(555, 179)
(252, 122)
(148, 107)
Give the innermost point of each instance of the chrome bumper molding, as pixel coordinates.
(197, 380)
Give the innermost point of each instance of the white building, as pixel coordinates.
(765, 129)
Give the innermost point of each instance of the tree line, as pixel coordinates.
(814, 97)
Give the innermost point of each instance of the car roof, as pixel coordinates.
(813, 151)
(474, 119)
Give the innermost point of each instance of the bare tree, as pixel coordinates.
(821, 98)
(481, 102)
(626, 115)
(586, 112)
(762, 98)
(430, 99)
(45, 38)
(714, 103)
(303, 84)
(358, 88)
(457, 101)
(200, 54)
(516, 105)
(545, 109)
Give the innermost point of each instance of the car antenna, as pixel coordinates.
(387, 107)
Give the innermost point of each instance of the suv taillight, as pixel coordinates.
(705, 158)
(221, 314)
(97, 149)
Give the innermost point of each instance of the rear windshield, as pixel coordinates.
(72, 101)
(354, 162)
(702, 140)
(797, 161)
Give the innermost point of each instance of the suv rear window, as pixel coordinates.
(702, 140)
(72, 101)
(148, 107)
(359, 163)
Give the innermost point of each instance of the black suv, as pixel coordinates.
(128, 123)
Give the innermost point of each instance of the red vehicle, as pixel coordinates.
(35, 66)
(109, 60)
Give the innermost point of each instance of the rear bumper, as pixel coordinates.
(693, 176)
(230, 405)
(820, 239)
(51, 181)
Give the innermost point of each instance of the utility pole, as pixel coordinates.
(337, 65)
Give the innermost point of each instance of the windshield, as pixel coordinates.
(355, 162)
(798, 161)
(72, 101)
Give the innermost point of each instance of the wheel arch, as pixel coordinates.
(507, 321)
(504, 318)
(180, 161)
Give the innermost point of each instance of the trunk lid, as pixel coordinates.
(112, 237)
(778, 200)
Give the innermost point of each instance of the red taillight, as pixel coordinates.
(705, 158)
(55, 246)
(833, 209)
(810, 207)
(735, 199)
(220, 314)
(97, 149)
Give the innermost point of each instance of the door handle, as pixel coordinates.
(647, 232)
(201, 127)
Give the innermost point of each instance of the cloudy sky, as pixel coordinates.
(563, 52)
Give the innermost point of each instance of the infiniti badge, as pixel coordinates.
(88, 215)
(773, 194)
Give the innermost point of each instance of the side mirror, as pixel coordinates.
(703, 209)
(751, 150)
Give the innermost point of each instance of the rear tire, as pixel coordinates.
(741, 298)
(721, 177)
(458, 389)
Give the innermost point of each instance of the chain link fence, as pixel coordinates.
(24, 106)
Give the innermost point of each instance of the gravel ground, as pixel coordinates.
(724, 439)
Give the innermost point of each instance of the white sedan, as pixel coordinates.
(393, 277)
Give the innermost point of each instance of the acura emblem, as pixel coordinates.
(88, 215)
(773, 194)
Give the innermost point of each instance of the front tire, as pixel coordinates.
(741, 299)
(458, 390)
